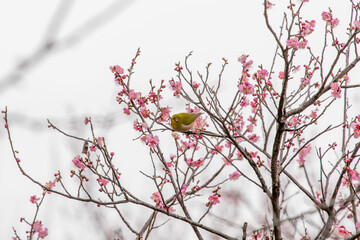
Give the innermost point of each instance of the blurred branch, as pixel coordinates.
(50, 43)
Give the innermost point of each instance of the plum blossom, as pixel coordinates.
(165, 114)
(327, 16)
(302, 154)
(246, 88)
(102, 181)
(356, 128)
(140, 126)
(50, 185)
(183, 189)
(244, 102)
(92, 148)
(342, 231)
(254, 138)
(313, 115)
(37, 226)
(43, 233)
(213, 199)
(281, 75)
(295, 43)
(100, 141)
(117, 69)
(144, 112)
(126, 111)
(336, 89)
(293, 121)
(234, 176)
(34, 199)
(78, 163)
(292, 42)
(150, 140)
(262, 74)
(134, 95)
(357, 24)
(307, 27)
(156, 197)
(176, 87)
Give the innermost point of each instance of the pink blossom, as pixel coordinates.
(126, 111)
(305, 81)
(213, 199)
(295, 68)
(244, 102)
(102, 181)
(87, 120)
(342, 231)
(357, 225)
(302, 44)
(234, 176)
(262, 74)
(354, 174)
(50, 185)
(100, 141)
(269, 5)
(43, 233)
(336, 89)
(239, 155)
(169, 164)
(254, 138)
(176, 87)
(144, 112)
(198, 163)
(307, 27)
(195, 84)
(139, 126)
(326, 16)
(183, 189)
(248, 64)
(357, 24)
(78, 162)
(165, 114)
(302, 154)
(313, 115)
(156, 197)
(250, 127)
(134, 95)
(292, 42)
(246, 88)
(34, 199)
(92, 148)
(117, 69)
(356, 128)
(218, 148)
(243, 58)
(293, 121)
(150, 140)
(333, 22)
(37, 226)
(281, 75)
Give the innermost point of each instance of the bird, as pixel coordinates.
(183, 122)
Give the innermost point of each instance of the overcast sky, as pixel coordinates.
(55, 58)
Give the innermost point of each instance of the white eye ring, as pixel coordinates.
(175, 119)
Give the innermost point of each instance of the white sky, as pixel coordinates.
(73, 80)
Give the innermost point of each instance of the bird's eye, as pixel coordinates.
(175, 119)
